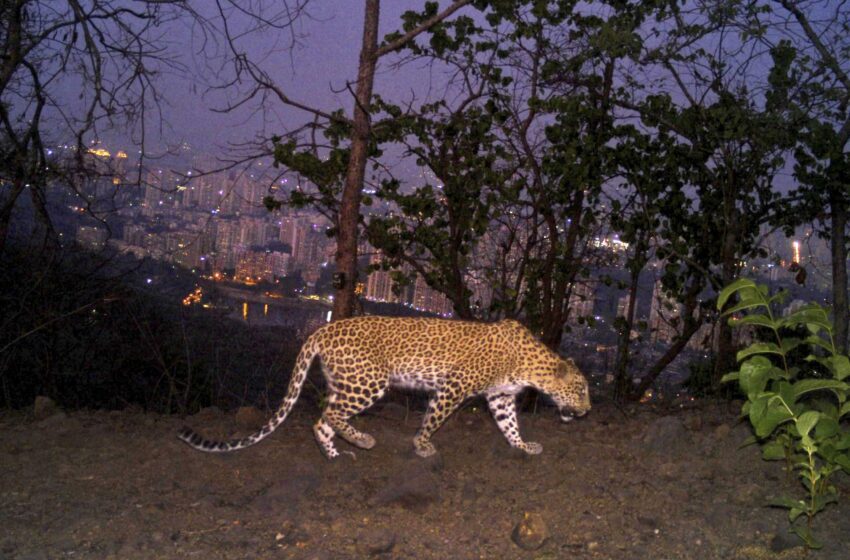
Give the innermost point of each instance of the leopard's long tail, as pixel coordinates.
(299, 374)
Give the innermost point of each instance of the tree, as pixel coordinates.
(439, 225)
(110, 50)
(360, 138)
(815, 87)
(732, 142)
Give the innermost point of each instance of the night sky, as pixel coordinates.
(314, 72)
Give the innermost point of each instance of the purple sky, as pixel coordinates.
(323, 62)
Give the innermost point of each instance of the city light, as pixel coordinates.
(194, 296)
(99, 152)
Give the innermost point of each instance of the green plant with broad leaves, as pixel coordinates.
(796, 393)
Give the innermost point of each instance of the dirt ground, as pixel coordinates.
(649, 484)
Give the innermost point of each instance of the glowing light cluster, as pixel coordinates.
(194, 296)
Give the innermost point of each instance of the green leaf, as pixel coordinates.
(823, 500)
(845, 408)
(787, 503)
(840, 366)
(773, 451)
(809, 385)
(806, 422)
(818, 341)
(733, 376)
(789, 344)
(785, 392)
(759, 348)
(754, 375)
(813, 316)
(843, 461)
(735, 286)
(748, 442)
(773, 414)
(756, 319)
(826, 428)
(843, 442)
(806, 535)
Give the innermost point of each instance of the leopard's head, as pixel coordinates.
(570, 390)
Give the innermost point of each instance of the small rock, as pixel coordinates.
(783, 541)
(250, 418)
(291, 534)
(693, 422)
(531, 532)
(650, 522)
(669, 471)
(208, 413)
(722, 431)
(592, 545)
(56, 421)
(378, 541)
(44, 407)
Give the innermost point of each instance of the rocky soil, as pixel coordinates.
(645, 483)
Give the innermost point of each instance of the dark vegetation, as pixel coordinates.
(94, 334)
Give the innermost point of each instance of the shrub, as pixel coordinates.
(795, 406)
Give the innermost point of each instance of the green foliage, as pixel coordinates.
(795, 416)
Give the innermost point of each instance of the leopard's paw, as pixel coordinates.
(365, 441)
(532, 448)
(424, 449)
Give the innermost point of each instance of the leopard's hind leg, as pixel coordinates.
(344, 402)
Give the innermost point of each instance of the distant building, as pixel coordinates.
(91, 237)
(581, 301)
(255, 265)
(428, 299)
(664, 320)
(623, 306)
(379, 284)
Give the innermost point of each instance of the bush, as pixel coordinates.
(795, 406)
(92, 335)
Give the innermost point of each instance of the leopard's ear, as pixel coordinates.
(567, 367)
(563, 369)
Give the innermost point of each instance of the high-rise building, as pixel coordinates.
(425, 298)
(664, 315)
(92, 237)
(255, 265)
(623, 305)
(582, 300)
(379, 284)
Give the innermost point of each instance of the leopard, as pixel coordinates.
(450, 360)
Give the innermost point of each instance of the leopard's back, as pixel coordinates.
(399, 349)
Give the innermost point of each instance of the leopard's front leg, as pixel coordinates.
(503, 408)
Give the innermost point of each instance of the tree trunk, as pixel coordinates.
(665, 360)
(691, 326)
(6, 209)
(838, 209)
(349, 212)
(622, 381)
(725, 352)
